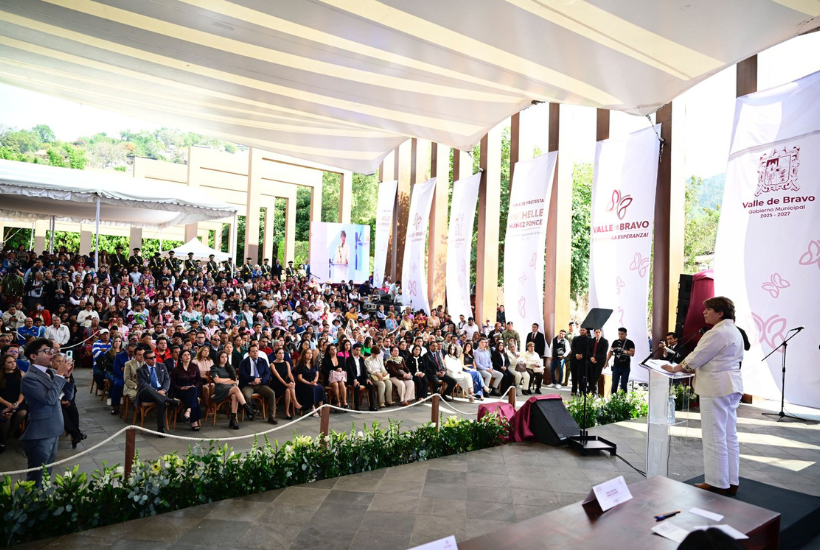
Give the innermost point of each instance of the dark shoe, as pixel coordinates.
(373, 409)
(161, 431)
(115, 411)
(288, 417)
(174, 402)
(3, 447)
(233, 424)
(195, 428)
(733, 489)
(75, 440)
(250, 412)
(538, 392)
(447, 398)
(272, 420)
(707, 487)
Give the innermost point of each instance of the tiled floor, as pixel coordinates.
(466, 495)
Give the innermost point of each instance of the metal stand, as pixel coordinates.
(782, 413)
(585, 443)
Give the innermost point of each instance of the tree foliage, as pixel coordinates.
(700, 231)
(581, 218)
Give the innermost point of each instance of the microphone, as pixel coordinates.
(703, 330)
(798, 329)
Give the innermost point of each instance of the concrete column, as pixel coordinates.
(40, 230)
(290, 230)
(315, 212)
(489, 212)
(345, 196)
(402, 169)
(670, 195)
(559, 225)
(232, 240)
(86, 239)
(437, 247)
(191, 231)
(253, 205)
(203, 236)
(515, 141)
(195, 161)
(269, 204)
(218, 237)
(134, 238)
(386, 173)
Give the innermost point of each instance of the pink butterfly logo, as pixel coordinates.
(414, 267)
(619, 204)
(775, 284)
(641, 265)
(533, 260)
(522, 306)
(812, 255)
(411, 288)
(621, 316)
(771, 330)
(523, 278)
(619, 284)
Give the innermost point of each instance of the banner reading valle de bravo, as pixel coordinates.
(623, 211)
(524, 241)
(384, 221)
(767, 255)
(459, 244)
(414, 270)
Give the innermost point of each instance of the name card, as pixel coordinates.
(609, 493)
(447, 543)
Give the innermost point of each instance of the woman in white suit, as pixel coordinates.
(716, 364)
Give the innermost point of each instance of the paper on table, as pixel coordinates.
(706, 514)
(728, 529)
(447, 543)
(609, 493)
(670, 531)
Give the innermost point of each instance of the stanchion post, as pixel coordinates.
(324, 426)
(511, 396)
(130, 449)
(434, 416)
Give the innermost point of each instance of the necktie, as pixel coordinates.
(50, 373)
(154, 381)
(255, 372)
(595, 349)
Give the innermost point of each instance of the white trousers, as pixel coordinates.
(721, 451)
(522, 377)
(464, 380)
(406, 389)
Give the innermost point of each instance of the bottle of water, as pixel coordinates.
(670, 410)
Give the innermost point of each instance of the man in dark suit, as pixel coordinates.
(599, 347)
(672, 351)
(579, 357)
(435, 372)
(42, 388)
(254, 375)
(357, 377)
(153, 384)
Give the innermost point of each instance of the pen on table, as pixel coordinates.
(667, 515)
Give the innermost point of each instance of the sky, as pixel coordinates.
(707, 112)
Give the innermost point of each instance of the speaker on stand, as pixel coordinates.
(551, 423)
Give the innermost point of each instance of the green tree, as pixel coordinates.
(330, 196)
(45, 133)
(700, 230)
(581, 217)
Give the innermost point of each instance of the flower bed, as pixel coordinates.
(77, 501)
(600, 411)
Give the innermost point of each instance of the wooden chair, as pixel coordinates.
(126, 404)
(213, 408)
(256, 398)
(144, 409)
(351, 400)
(106, 390)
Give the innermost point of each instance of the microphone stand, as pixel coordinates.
(782, 413)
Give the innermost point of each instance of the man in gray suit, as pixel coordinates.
(153, 384)
(42, 388)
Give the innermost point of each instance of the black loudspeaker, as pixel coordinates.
(684, 294)
(551, 422)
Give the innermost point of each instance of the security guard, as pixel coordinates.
(155, 265)
(247, 269)
(172, 262)
(118, 260)
(136, 260)
(213, 267)
(190, 263)
(266, 268)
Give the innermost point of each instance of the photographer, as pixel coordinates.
(623, 349)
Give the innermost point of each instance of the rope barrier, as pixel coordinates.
(201, 439)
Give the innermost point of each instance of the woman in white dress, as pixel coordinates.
(455, 369)
(522, 377)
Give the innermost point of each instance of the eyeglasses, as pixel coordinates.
(13, 351)
(47, 351)
(149, 356)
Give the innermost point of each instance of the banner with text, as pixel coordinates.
(524, 241)
(459, 246)
(767, 255)
(414, 270)
(623, 211)
(384, 221)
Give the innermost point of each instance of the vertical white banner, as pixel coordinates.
(414, 268)
(767, 255)
(459, 246)
(384, 221)
(524, 241)
(623, 211)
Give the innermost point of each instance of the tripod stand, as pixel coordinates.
(782, 413)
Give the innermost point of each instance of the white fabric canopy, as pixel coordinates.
(37, 191)
(343, 82)
(201, 251)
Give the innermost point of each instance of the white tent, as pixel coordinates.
(37, 191)
(201, 251)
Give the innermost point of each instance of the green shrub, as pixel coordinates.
(76, 501)
(684, 396)
(619, 407)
